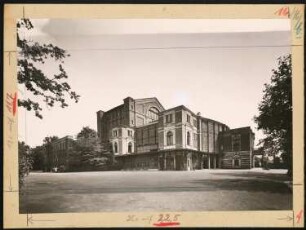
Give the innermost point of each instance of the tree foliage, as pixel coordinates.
(88, 153)
(37, 155)
(87, 158)
(50, 89)
(49, 139)
(48, 152)
(25, 161)
(86, 132)
(275, 112)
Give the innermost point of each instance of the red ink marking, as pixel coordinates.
(165, 224)
(9, 102)
(283, 11)
(299, 216)
(15, 104)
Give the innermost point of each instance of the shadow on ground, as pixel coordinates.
(244, 185)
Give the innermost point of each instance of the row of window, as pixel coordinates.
(62, 145)
(116, 133)
(153, 113)
(130, 147)
(170, 138)
(169, 119)
(147, 136)
(116, 115)
(234, 143)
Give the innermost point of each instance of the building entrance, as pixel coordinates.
(179, 162)
(161, 163)
(205, 162)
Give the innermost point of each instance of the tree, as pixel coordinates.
(74, 159)
(30, 56)
(275, 112)
(49, 139)
(48, 152)
(86, 132)
(88, 137)
(85, 158)
(25, 161)
(87, 154)
(37, 154)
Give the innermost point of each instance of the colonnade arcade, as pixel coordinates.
(187, 160)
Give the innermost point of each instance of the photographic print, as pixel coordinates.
(154, 115)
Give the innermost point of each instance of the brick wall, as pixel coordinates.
(236, 147)
(228, 160)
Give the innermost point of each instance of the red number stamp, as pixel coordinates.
(282, 11)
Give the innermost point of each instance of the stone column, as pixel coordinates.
(187, 162)
(215, 162)
(165, 161)
(208, 161)
(253, 159)
(174, 162)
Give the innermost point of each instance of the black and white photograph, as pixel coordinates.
(149, 115)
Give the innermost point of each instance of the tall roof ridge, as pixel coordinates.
(151, 98)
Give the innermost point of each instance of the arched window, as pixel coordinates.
(153, 113)
(130, 147)
(115, 147)
(169, 138)
(188, 138)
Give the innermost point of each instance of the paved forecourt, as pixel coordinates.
(202, 190)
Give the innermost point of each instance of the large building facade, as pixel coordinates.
(144, 135)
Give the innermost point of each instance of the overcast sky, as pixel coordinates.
(216, 67)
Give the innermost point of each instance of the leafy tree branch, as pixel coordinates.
(52, 90)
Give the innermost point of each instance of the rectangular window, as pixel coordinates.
(139, 137)
(169, 118)
(129, 133)
(194, 140)
(178, 116)
(204, 136)
(115, 133)
(211, 137)
(195, 123)
(236, 142)
(188, 118)
(145, 136)
(152, 137)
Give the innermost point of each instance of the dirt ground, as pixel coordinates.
(202, 190)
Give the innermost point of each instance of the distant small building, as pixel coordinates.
(144, 135)
(60, 151)
(236, 148)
